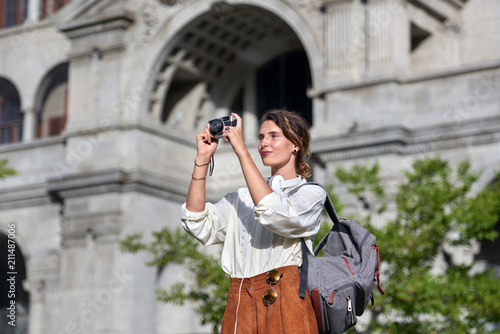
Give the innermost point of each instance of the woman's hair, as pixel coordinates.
(296, 129)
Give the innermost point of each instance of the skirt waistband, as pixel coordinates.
(259, 281)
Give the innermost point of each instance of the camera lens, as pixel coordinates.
(216, 126)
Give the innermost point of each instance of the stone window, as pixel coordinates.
(13, 12)
(52, 120)
(53, 105)
(11, 117)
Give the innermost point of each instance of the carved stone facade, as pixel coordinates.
(387, 81)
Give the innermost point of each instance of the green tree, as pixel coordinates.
(432, 201)
(434, 207)
(5, 171)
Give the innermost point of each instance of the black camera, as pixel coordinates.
(217, 125)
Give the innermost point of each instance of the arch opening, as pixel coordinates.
(52, 102)
(11, 117)
(12, 275)
(291, 71)
(234, 62)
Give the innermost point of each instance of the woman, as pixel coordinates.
(261, 226)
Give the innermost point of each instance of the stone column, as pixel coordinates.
(43, 286)
(34, 10)
(320, 115)
(96, 62)
(345, 40)
(91, 299)
(452, 43)
(388, 48)
(88, 289)
(101, 289)
(29, 124)
(36, 288)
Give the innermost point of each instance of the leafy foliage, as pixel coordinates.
(433, 207)
(6, 171)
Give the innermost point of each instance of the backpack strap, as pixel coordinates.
(328, 203)
(304, 270)
(305, 251)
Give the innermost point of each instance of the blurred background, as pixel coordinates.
(100, 102)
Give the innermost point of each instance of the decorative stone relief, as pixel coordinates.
(451, 44)
(222, 9)
(148, 13)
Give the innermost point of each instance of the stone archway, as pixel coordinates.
(210, 67)
(11, 117)
(51, 102)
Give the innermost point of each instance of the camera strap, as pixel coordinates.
(211, 165)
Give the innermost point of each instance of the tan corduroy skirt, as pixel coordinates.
(289, 314)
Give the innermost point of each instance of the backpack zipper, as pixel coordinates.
(340, 288)
(348, 264)
(349, 309)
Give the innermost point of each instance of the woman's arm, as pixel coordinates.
(256, 184)
(206, 146)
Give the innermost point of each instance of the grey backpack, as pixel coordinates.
(340, 283)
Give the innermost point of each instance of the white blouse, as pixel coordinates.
(259, 238)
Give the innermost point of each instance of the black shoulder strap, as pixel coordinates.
(305, 251)
(304, 270)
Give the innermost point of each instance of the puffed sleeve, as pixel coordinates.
(210, 225)
(293, 215)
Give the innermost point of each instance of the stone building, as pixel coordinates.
(100, 101)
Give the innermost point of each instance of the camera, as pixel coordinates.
(217, 125)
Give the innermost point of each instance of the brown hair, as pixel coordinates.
(295, 129)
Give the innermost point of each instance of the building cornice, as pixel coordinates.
(115, 180)
(31, 195)
(330, 87)
(21, 146)
(27, 27)
(88, 184)
(171, 134)
(91, 26)
(403, 141)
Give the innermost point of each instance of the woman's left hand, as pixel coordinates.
(234, 135)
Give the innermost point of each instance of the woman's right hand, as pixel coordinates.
(206, 145)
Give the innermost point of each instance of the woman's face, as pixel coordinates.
(274, 148)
